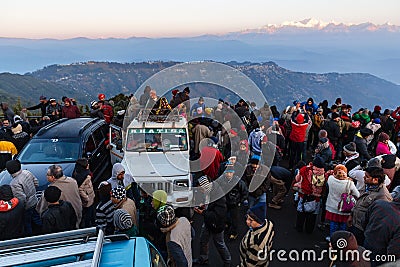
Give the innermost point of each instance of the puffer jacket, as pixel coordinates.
(364, 202)
(24, 185)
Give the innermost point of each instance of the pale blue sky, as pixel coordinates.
(165, 18)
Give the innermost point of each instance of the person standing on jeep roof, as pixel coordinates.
(42, 105)
(107, 111)
(69, 110)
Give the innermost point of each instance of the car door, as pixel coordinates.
(115, 141)
(99, 155)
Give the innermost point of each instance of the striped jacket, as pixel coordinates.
(256, 245)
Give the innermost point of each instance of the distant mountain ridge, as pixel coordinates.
(86, 80)
(312, 24)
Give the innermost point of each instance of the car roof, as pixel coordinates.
(66, 128)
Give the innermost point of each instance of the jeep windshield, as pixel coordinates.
(50, 151)
(156, 140)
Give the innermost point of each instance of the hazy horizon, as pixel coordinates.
(165, 19)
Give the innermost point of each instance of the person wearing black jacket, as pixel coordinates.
(11, 214)
(237, 194)
(60, 215)
(214, 221)
(42, 105)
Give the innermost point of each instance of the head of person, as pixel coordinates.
(153, 94)
(201, 100)
(254, 163)
(365, 132)
(205, 184)
(243, 145)
(159, 199)
(67, 102)
(320, 111)
(229, 173)
(374, 176)
(13, 166)
(122, 220)
(348, 239)
(43, 99)
(81, 164)
(104, 190)
(6, 123)
(147, 89)
(322, 133)
(232, 160)
(52, 194)
(335, 116)
(186, 91)
(350, 149)
(310, 101)
(383, 137)
(6, 193)
(255, 216)
(53, 101)
(340, 172)
(54, 172)
(118, 194)
(166, 216)
(318, 166)
(101, 97)
(118, 171)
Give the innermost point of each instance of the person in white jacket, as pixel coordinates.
(338, 183)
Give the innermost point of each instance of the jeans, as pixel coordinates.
(336, 226)
(297, 153)
(31, 217)
(219, 243)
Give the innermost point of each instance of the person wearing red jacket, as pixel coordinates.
(297, 138)
(107, 111)
(70, 111)
(396, 115)
(210, 160)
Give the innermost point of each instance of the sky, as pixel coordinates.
(63, 19)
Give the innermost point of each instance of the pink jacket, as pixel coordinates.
(382, 149)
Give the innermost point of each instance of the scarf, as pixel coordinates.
(347, 159)
(372, 187)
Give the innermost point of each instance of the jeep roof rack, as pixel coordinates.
(76, 243)
(158, 115)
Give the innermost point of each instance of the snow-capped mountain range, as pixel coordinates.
(313, 24)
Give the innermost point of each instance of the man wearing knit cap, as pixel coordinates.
(214, 223)
(11, 215)
(123, 223)
(352, 158)
(24, 185)
(178, 236)
(256, 244)
(118, 197)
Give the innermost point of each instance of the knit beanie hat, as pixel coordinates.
(350, 148)
(6, 193)
(122, 219)
(52, 194)
(257, 213)
(383, 137)
(339, 171)
(166, 216)
(13, 166)
(318, 162)
(388, 161)
(159, 198)
(205, 183)
(300, 118)
(118, 192)
(366, 132)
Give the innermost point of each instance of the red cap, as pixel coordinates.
(300, 118)
(102, 96)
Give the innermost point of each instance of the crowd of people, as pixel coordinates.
(343, 167)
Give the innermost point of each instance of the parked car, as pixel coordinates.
(80, 248)
(63, 142)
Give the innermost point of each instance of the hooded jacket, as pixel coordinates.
(71, 111)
